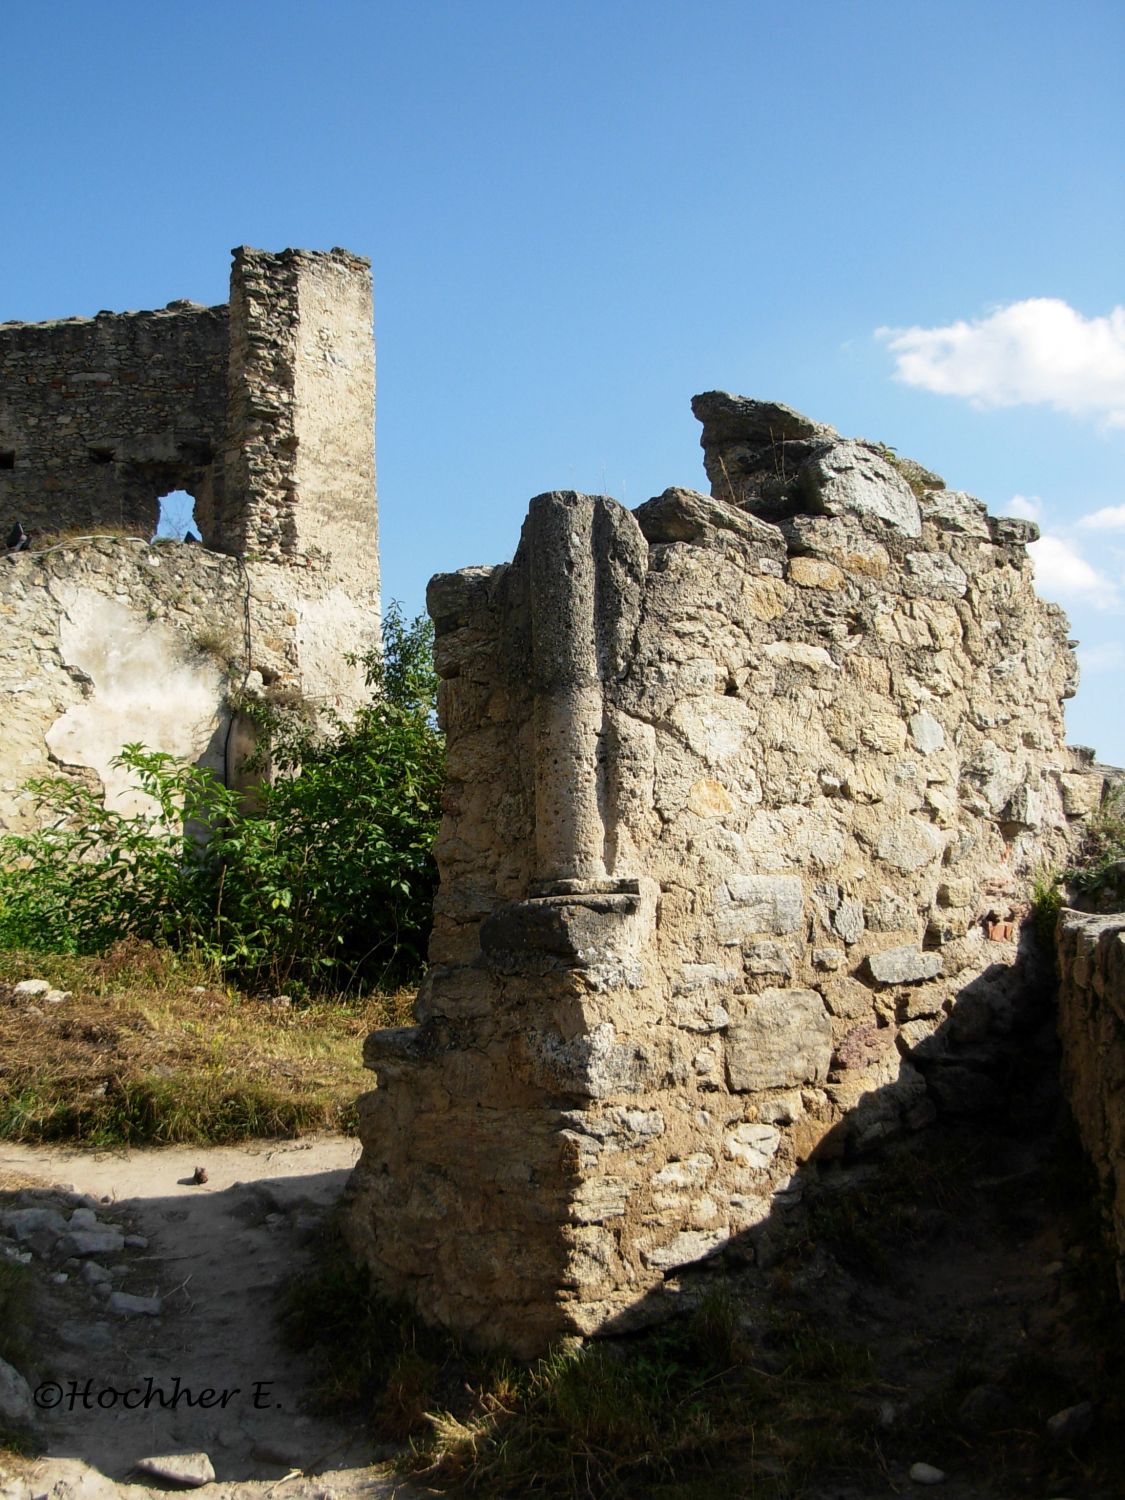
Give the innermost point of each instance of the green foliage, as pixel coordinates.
(329, 880)
(90, 875)
(1099, 866)
(1046, 903)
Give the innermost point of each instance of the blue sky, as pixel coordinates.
(906, 219)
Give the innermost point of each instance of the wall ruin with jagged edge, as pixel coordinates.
(263, 411)
(745, 791)
(1091, 1023)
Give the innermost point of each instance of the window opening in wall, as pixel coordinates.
(102, 455)
(7, 458)
(177, 521)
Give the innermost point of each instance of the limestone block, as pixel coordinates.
(798, 654)
(767, 958)
(620, 1126)
(752, 1145)
(926, 732)
(684, 1249)
(778, 1039)
(680, 515)
(903, 965)
(953, 510)
(907, 844)
(842, 542)
(749, 905)
(957, 891)
(708, 798)
(815, 573)
(764, 599)
(715, 729)
(848, 920)
(935, 575)
(690, 1172)
(1024, 807)
(885, 733)
(865, 782)
(1081, 793)
(846, 478)
(1013, 530)
(699, 1012)
(598, 1199)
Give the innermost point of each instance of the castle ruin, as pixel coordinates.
(263, 411)
(745, 791)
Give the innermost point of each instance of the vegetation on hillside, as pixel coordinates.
(148, 1048)
(1097, 875)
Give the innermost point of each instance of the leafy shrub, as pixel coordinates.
(329, 880)
(1103, 851)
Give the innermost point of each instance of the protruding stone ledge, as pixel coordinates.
(576, 928)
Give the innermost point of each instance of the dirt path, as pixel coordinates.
(214, 1254)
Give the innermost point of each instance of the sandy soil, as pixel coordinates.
(217, 1253)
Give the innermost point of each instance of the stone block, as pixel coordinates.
(778, 1039)
(755, 904)
(904, 965)
(815, 573)
(926, 732)
(845, 478)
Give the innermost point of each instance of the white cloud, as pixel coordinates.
(1029, 507)
(1062, 573)
(1109, 518)
(1108, 657)
(1038, 350)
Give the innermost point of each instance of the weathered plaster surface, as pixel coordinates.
(143, 687)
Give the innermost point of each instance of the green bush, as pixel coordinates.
(1103, 850)
(329, 881)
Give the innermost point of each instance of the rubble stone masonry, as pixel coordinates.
(744, 791)
(1091, 948)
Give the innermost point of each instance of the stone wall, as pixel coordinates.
(744, 791)
(1091, 949)
(264, 412)
(101, 416)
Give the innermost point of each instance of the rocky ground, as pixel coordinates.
(160, 1283)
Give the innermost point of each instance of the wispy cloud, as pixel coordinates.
(1062, 573)
(1036, 351)
(1109, 518)
(1029, 507)
(1107, 657)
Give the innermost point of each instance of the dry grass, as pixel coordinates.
(147, 1049)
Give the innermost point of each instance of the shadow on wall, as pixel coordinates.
(988, 1068)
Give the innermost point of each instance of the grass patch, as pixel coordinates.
(149, 1050)
(696, 1408)
(865, 1226)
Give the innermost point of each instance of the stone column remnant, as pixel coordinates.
(569, 833)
